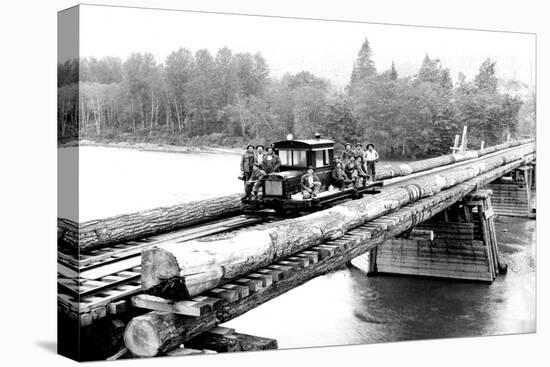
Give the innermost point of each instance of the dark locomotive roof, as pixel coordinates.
(307, 144)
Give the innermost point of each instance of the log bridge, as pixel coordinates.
(435, 222)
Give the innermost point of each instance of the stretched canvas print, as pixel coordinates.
(233, 182)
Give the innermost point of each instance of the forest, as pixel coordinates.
(230, 99)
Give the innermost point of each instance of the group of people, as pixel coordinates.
(355, 168)
(255, 164)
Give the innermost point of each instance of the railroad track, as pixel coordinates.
(99, 282)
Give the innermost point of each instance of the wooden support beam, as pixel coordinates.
(190, 308)
(421, 234)
(464, 144)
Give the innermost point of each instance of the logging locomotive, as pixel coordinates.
(282, 190)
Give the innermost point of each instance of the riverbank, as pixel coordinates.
(150, 147)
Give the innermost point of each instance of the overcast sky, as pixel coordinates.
(327, 49)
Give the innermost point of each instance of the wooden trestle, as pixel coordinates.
(463, 245)
(513, 195)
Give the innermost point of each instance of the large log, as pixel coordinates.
(126, 227)
(157, 332)
(177, 271)
(386, 172)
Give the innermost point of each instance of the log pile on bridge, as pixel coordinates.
(405, 169)
(126, 227)
(225, 277)
(116, 229)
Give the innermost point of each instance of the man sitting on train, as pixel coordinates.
(346, 154)
(351, 171)
(254, 183)
(272, 162)
(259, 156)
(310, 184)
(361, 169)
(349, 166)
(339, 178)
(371, 156)
(247, 164)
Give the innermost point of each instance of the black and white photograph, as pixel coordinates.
(231, 186)
(233, 181)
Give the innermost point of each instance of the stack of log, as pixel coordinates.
(178, 272)
(116, 229)
(156, 332)
(387, 172)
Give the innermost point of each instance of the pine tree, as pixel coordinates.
(486, 79)
(363, 67)
(393, 71)
(430, 70)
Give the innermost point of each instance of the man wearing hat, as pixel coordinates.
(247, 163)
(340, 179)
(255, 181)
(310, 184)
(272, 162)
(344, 158)
(371, 157)
(358, 151)
(260, 155)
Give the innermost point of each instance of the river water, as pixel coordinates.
(344, 307)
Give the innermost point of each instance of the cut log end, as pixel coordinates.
(141, 337)
(160, 274)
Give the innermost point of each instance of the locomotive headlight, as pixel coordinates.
(273, 188)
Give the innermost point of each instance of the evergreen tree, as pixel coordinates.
(393, 71)
(429, 70)
(363, 67)
(486, 79)
(341, 123)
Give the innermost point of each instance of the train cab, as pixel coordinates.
(282, 191)
(296, 156)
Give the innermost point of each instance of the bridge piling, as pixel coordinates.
(513, 195)
(458, 243)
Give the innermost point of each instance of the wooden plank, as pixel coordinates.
(188, 308)
(253, 285)
(117, 307)
(228, 295)
(110, 269)
(240, 289)
(108, 296)
(266, 279)
(311, 257)
(303, 261)
(215, 303)
(276, 275)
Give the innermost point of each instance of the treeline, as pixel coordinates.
(229, 99)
